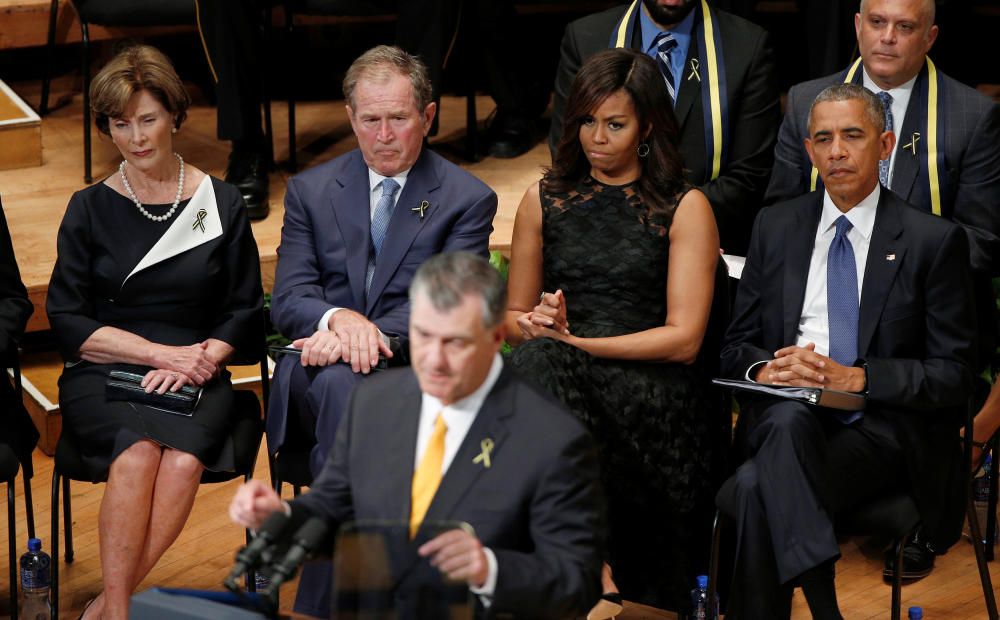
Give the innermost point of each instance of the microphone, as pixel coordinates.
(308, 539)
(273, 528)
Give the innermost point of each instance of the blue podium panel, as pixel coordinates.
(157, 604)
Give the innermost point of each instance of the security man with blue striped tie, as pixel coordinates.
(848, 289)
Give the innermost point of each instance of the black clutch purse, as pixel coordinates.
(127, 386)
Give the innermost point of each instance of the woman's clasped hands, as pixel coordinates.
(547, 319)
(180, 366)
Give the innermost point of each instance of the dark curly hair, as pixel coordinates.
(602, 75)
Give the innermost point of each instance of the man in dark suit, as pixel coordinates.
(725, 92)
(461, 438)
(355, 231)
(848, 289)
(954, 174)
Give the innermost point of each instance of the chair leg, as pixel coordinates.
(87, 176)
(43, 106)
(29, 505)
(897, 576)
(12, 546)
(293, 160)
(67, 520)
(471, 128)
(713, 560)
(991, 504)
(54, 536)
(981, 563)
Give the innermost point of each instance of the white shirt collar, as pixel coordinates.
(471, 404)
(374, 179)
(903, 90)
(861, 216)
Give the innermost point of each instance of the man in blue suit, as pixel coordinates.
(355, 231)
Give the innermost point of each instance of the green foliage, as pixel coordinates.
(501, 264)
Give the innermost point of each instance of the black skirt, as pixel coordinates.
(104, 429)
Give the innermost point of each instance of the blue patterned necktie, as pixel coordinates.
(665, 44)
(883, 165)
(842, 303)
(380, 225)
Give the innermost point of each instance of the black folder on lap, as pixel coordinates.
(847, 401)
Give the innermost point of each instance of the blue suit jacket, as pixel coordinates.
(326, 238)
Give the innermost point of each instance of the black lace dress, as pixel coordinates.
(608, 253)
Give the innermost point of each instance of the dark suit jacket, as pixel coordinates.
(971, 156)
(915, 335)
(16, 428)
(327, 233)
(538, 507)
(754, 111)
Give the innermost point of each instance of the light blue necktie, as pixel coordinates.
(883, 165)
(842, 303)
(380, 225)
(665, 44)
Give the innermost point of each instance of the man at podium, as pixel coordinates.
(460, 438)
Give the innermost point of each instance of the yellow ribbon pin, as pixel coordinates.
(913, 143)
(486, 446)
(423, 207)
(694, 70)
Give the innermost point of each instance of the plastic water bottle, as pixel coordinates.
(915, 613)
(35, 565)
(700, 606)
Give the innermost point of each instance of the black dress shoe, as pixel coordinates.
(918, 560)
(510, 135)
(247, 170)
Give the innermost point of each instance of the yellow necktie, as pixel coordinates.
(427, 477)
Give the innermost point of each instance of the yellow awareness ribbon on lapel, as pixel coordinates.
(714, 96)
(427, 476)
(933, 177)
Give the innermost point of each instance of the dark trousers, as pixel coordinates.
(803, 467)
(429, 28)
(231, 33)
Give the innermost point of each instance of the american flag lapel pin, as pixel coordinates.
(890, 256)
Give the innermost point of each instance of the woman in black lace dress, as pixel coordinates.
(611, 282)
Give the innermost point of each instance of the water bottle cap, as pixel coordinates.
(915, 613)
(34, 544)
(702, 581)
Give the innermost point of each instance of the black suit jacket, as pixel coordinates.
(16, 428)
(754, 106)
(915, 335)
(538, 506)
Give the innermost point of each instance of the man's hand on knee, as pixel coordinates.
(362, 341)
(320, 349)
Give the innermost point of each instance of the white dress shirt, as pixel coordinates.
(900, 100)
(814, 322)
(458, 417)
(374, 193)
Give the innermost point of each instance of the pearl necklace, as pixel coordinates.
(177, 199)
